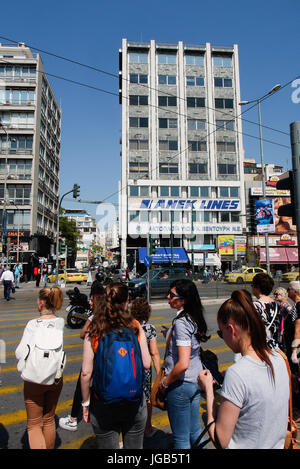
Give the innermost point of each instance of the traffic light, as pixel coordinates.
(287, 210)
(4, 248)
(61, 247)
(154, 244)
(69, 251)
(76, 191)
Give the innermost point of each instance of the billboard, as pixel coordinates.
(226, 245)
(264, 214)
(283, 224)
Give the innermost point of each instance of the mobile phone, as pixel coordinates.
(218, 377)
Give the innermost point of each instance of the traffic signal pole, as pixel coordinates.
(148, 272)
(295, 144)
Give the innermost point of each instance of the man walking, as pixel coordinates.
(8, 279)
(18, 273)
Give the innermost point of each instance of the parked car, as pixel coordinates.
(72, 275)
(244, 275)
(160, 281)
(290, 276)
(119, 275)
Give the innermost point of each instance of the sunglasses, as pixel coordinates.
(220, 334)
(173, 295)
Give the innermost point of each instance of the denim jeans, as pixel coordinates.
(17, 280)
(109, 421)
(7, 288)
(183, 400)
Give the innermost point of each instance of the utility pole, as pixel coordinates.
(295, 144)
(172, 239)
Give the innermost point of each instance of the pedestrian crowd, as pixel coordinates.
(113, 390)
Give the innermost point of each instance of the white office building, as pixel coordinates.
(182, 150)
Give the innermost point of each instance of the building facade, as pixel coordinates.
(30, 134)
(182, 152)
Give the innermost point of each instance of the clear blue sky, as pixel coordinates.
(91, 32)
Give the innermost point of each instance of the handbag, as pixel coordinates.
(216, 442)
(157, 398)
(291, 441)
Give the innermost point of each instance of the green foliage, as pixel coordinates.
(68, 230)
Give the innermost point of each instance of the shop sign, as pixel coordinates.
(186, 204)
(285, 240)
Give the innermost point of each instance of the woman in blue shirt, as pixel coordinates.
(183, 363)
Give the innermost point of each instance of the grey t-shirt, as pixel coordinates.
(183, 334)
(262, 423)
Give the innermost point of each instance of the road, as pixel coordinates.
(13, 318)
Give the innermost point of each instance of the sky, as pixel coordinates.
(91, 32)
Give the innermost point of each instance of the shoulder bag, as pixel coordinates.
(291, 441)
(158, 399)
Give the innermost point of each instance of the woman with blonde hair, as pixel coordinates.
(281, 298)
(41, 399)
(253, 413)
(115, 352)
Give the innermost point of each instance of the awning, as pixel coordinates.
(277, 256)
(292, 255)
(163, 256)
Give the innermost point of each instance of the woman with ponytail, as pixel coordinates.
(255, 394)
(41, 399)
(110, 419)
(183, 363)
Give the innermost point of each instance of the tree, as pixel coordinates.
(69, 231)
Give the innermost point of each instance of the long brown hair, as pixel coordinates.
(53, 297)
(109, 313)
(241, 309)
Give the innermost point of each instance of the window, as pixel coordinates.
(196, 124)
(222, 61)
(199, 191)
(235, 218)
(135, 100)
(224, 217)
(138, 78)
(20, 193)
(138, 144)
(223, 82)
(166, 59)
(201, 216)
(194, 81)
(166, 79)
(138, 58)
(138, 121)
(224, 168)
(168, 168)
(229, 191)
(224, 125)
(197, 168)
(138, 167)
(197, 145)
(223, 103)
(194, 60)
(195, 102)
(226, 146)
(139, 191)
(169, 191)
(168, 144)
(167, 101)
(167, 123)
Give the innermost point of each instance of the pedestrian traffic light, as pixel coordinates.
(4, 248)
(287, 210)
(154, 244)
(69, 251)
(76, 191)
(61, 247)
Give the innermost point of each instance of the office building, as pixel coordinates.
(30, 133)
(182, 152)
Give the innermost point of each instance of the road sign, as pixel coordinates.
(147, 261)
(109, 254)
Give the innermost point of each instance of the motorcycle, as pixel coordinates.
(78, 309)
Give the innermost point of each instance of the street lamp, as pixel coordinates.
(18, 235)
(258, 101)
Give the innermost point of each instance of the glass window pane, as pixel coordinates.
(227, 82)
(199, 81)
(229, 125)
(172, 123)
(164, 191)
(234, 191)
(133, 100)
(222, 168)
(171, 80)
(194, 191)
(144, 215)
(174, 191)
(162, 100)
(162, 79)
(133, 78)
(224, 192)
(173, 145)
(190, 102)
(228, 103)
(200, 102)
(134, 191)
(204, 191)
(143, 100)
(206, 217)
(143, 78)
(172, 101)
(143, 121)
(190, 81)
(231, 169)
(218, 82)
(144, 191)
(191, 124)
(163, 123)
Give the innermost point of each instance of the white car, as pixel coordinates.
(119, 275)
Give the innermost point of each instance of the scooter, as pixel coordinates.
(78, 309)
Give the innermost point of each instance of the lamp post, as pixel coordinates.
(18, 229)
(258, 101)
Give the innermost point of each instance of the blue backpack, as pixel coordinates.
(118, 368)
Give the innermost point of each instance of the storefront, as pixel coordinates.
(280, 256)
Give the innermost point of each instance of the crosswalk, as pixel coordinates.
(13, 318)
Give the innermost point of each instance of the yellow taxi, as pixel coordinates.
(72, 275)
(290, 276)
(244, 275)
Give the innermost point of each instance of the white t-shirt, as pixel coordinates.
(262, 423)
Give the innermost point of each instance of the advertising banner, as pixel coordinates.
(226, 245)
(283, 224)
(264, 212)
(185, 204)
